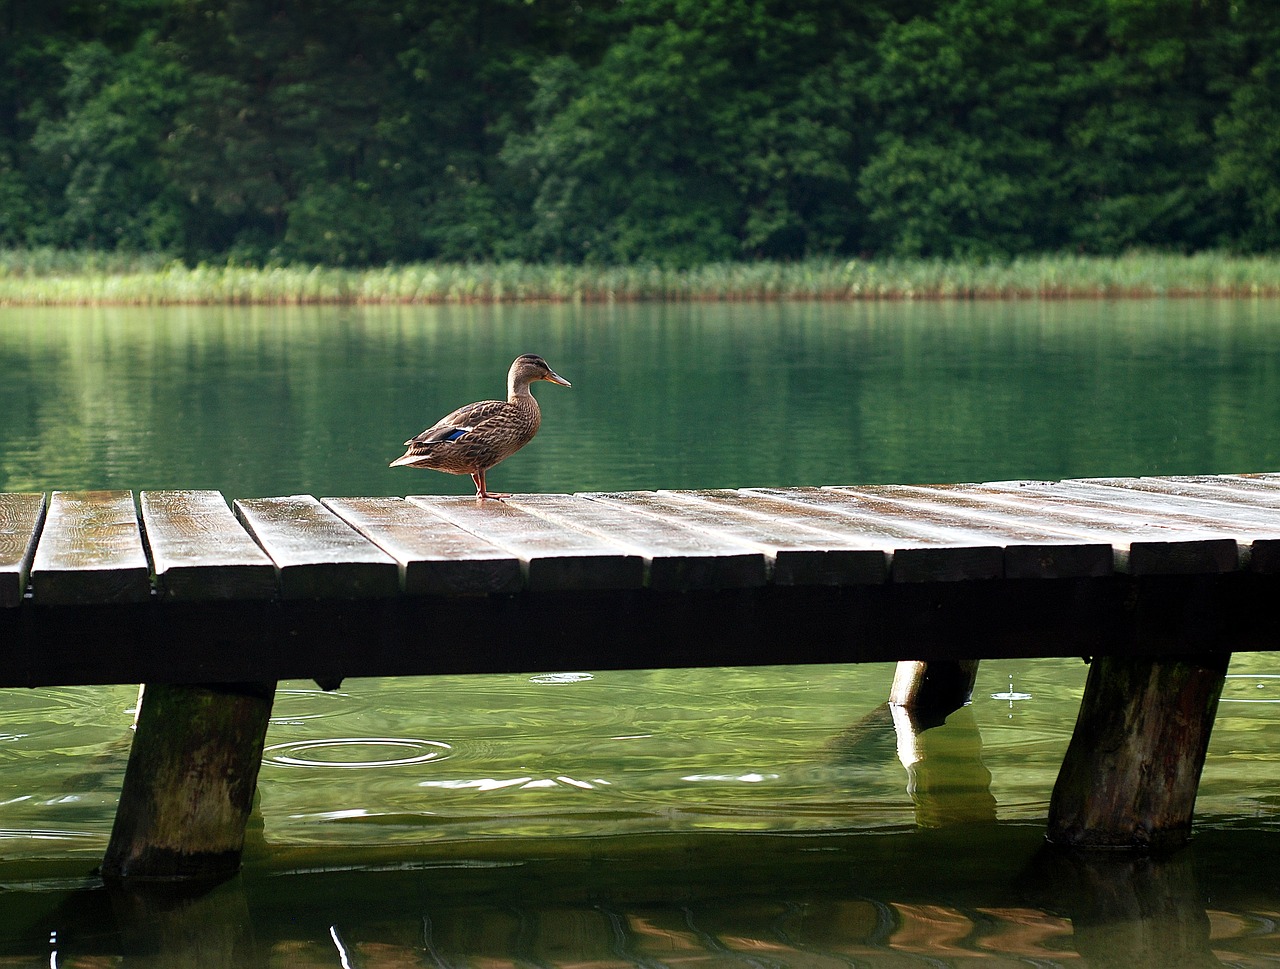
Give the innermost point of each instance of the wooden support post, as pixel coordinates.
(933, 690)
(190, 781)
(1131, 771)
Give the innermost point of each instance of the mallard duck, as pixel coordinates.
(474, 438)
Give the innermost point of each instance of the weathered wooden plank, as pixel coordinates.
(1015, 506)
(677, 556)
(316, 553)
(436, 557)
(1179, 504)
(1265, 478)
(1264, 488)
(1235, 490)
(928, 551)
(1142, 546)
(800, 553)
(20, 518)
(199, 551)
(1033, 548)
(90, 551)
(552, 556)
(1248, 511)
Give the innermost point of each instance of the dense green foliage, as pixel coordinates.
(673, 132)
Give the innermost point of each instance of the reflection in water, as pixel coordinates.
(1127, 909)
(864, 393)
(890, 845)
(946, 778)
(895, 900)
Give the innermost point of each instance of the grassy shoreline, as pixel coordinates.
(52, 278)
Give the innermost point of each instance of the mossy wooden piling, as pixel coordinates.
(1131, 772)
(189, 784)
(1157, 579)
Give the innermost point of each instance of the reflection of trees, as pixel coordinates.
(137, 398)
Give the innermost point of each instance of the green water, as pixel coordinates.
(657, 818)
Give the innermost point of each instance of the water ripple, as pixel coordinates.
(296, 753)
(294, 706)
(1250, 688)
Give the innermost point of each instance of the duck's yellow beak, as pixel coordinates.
(555, 378)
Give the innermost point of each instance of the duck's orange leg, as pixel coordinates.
(481, 491)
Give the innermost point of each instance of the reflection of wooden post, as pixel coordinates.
(196, 927)
(1126, 910)
(189, 785)
(932, 690)
(1131, 772)
(946, 778)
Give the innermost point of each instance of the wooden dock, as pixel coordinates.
(177, 589)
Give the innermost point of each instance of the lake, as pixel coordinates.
(757, 818)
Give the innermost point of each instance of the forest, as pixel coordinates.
(617, 132)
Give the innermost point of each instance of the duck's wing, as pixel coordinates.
(453, 426)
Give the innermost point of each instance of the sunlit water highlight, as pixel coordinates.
(765, 817)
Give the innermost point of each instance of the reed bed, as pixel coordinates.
(49, 277)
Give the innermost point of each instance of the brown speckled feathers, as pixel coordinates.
(474, 438)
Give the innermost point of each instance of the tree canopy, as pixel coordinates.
(623, 131)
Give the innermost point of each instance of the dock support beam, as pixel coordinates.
(1131, 771)
(190, 781)
(933, 690)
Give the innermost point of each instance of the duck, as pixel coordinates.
(474, 438)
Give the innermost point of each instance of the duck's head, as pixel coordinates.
(530, 367)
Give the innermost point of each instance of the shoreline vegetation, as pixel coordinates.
(61, 278)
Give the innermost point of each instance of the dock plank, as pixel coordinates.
(677, 556)
(928, 551)
(436, 557)
(552, 556)
(799, 553)
(21, 516)
(199, 551)
(1018, 510)
(1165, 537)
(1033, 548)
(1247, 508)
(1235, 489)
(90, 551)
(316, 553)
(1143, 545)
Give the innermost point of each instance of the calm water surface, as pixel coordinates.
(757, 818)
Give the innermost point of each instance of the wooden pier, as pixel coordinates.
(1158, 579)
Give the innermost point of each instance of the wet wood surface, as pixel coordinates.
(678, 554)
(1078, 526)
(435, 556)
(20, 518)
(317, 554)
(200, 551)
(552, 556)
(90, 551)
(797, 547)
(825, 574)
